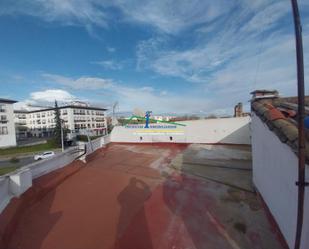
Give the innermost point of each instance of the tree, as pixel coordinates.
(57, 129)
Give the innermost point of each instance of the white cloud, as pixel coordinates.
(267, 17)
(165, 15)
(236, 45)
(150, 99)
(110, 64)
(45, 98)
(240, 34)
(173, 16)
(51, 95)
(250, 48)
(145, 97)
(89, 83)
(69, 12)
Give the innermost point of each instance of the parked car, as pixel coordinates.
(44, 155)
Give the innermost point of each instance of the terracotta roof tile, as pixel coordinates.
(280, 120)
(274, 114)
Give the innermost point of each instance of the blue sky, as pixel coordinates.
(185, 56)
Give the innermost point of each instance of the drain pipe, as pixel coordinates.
(301, 129)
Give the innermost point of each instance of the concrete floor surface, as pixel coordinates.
(149, 197)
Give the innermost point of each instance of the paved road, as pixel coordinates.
(22, 162)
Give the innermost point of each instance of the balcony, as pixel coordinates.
(21, 123)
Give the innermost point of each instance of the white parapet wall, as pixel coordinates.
(16, 183)
(275, 171)
(5, 194)
(58, 161)
(220, 130)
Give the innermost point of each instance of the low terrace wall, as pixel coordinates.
(16, 183)
(209, 131)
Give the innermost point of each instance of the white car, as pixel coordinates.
(44, 155)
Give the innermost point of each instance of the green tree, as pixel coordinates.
(57, 129)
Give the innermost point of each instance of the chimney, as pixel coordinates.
(238, 110)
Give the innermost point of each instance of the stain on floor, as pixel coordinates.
(150, 197)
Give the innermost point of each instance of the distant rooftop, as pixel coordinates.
(8, 101)
(74, 104)
(262, 94)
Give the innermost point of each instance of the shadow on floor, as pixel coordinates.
(36, 224)
(132, 228)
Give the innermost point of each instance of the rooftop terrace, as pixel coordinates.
(144, 197)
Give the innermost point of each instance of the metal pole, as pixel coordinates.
(301, 115)
(62, 142)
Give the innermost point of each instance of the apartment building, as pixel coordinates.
(7, 127)
(20, 120)
(77, 117)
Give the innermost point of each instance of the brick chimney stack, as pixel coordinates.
(238, 110)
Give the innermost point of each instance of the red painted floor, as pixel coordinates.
(121, 200)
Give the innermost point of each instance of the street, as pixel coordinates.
(22, 162)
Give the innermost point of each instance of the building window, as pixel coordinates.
(2, 109)
(3, 130)
(3, 119)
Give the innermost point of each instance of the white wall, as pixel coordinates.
(17, 182)
(221, 130)
(275, 171)
(9, 139)
(224, 130)
(5, 194)
(45, 166)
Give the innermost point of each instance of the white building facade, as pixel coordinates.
(21, 128)
(7, 126)
(77, 118)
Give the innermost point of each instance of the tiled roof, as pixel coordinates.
(63, 107)
(8, 101)
(280, 115)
